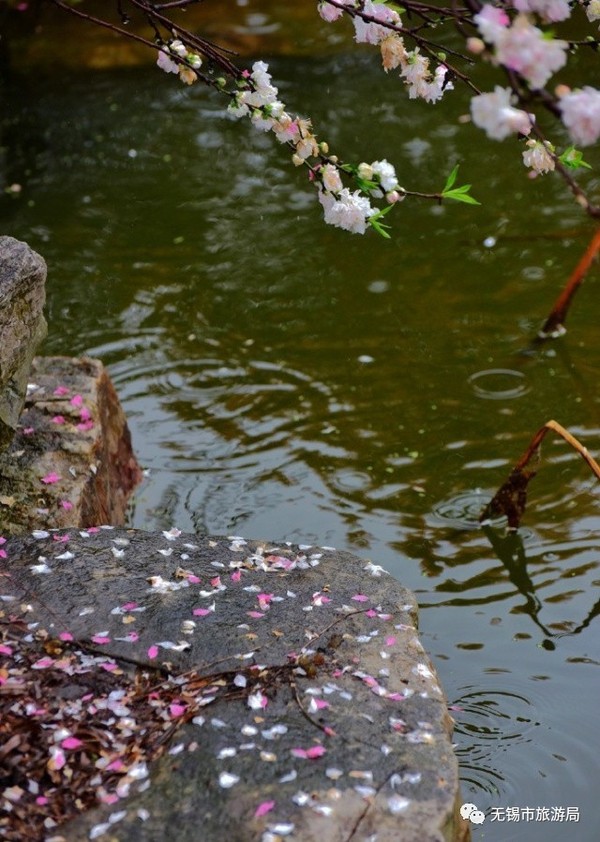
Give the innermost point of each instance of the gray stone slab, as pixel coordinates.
(22, 327)
(281, 692)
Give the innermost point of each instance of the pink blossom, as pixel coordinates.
(329, 13)
(526, 49)
(51, 478)
(369, 32)
(490, 22)
(549, 10)
(581, 114)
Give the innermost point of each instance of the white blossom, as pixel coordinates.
(538, 157)
(581, 114)
(494, 113)
(549, 10)
(347, 210)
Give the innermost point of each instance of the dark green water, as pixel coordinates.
(287, 380)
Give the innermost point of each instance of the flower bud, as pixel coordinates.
(297, 161)
(475, 46)
(365, 171)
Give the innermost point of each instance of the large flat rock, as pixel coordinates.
(162, 685)
(70, 461)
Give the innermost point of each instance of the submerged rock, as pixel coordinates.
(213, 688)
(22, 327)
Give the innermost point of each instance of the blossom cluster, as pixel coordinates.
(379, 27)
(507, 35)
(188, 62)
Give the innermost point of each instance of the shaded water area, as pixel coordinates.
(286, 380)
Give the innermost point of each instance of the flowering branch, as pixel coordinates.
(505, 35)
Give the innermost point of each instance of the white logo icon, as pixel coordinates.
(470, 812)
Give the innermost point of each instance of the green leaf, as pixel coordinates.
(451, 179)
(379, 228)
(573, 159)
(460, 195)
(381, 213)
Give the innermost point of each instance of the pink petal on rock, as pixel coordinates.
(129, 606)
(371, 613)
(58, 419)
(61, 390)
(263, 809)
(309, 753)
(5, 650)
(236, 576)
(315, 751)
(256, 615)
(153, 651)
(360, 597)
(71, 743)
(65, 635)
(67, 505)
(100, 639)
(389, 641)
(76, 400)
(176, 709)
(50, 478)
(3, 554)
(43, 663)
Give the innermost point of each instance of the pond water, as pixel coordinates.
(286, 380)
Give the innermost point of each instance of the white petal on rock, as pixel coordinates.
(397, 804)
(227, 780)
